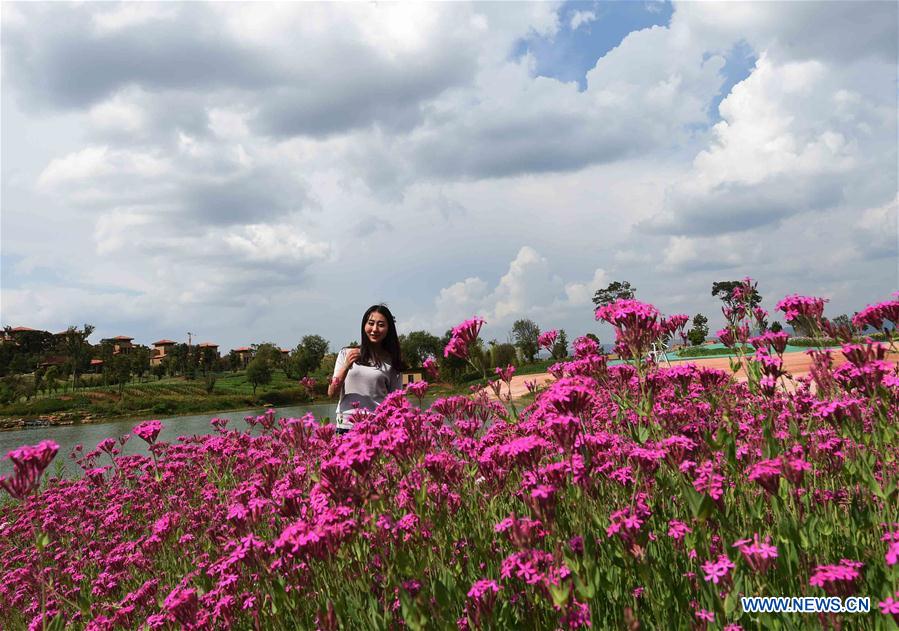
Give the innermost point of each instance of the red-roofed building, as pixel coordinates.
(161, 348)
(244, 354)
(120, 344)
(11, 335)
(205, 345)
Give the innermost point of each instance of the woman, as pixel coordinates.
(364, 376)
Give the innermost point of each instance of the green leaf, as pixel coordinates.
(560, 593)
(585, 591)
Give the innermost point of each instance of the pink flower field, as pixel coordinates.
(628, 496)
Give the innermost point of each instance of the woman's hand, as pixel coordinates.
(352, 356)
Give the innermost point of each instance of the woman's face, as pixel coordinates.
(376, 327)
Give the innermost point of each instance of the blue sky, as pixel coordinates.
(568, 54)
(450, 159)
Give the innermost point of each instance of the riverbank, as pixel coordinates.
(157, 400)
(84, 417)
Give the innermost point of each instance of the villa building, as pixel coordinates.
(120, 344)
(244, 355)
(161, 348)
(214, 347)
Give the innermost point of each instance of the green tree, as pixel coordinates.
(776, 327)
(119, 371)
(78, 350)
(32, 345)
(525, 333)
(306, 357)
(725, 291)
(501, 355)
(233, 361)
(19, 364)
(559, 350)
(51, 379)
(208, 357)
(418, 346)
(176, 360)
(325, 368)
(843, 321)
(269, 352)
(700, 330)
(37, 382)
(140, 361)
(259, 373)
(615, 291)
(159, 370)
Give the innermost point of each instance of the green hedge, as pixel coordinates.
(703, 351)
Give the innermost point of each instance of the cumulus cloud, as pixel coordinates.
(579, 18)
(795, 137)
(256, 144)
(529, 288)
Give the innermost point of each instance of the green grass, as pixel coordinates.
(164, 397)
(705, 351)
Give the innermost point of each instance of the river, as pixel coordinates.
(89, 434)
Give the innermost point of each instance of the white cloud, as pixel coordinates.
(93, 163)
(582, 293)
(131, 14)
(274, 243)
(264, 146)
(579, 18)
(796, 137)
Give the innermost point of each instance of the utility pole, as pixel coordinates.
(189, 337)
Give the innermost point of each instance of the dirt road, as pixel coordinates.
(796, 364)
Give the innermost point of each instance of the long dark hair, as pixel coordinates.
(391, 342)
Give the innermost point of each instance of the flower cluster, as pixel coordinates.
(610, 500)
(462, 337)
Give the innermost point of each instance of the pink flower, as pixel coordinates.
(506, 373)
(429, 365)
(463, 336)
(148, 431)
(796, 307)
(890, 607)
(547, 339)
(584, 347)
(726, 337)
(759, 555)
(183, 604)
(29, 463)
(677, 530)
(837, 580)
(483, 589)
(417, 389)
(892, 556)
(874, 315)
(766, 473)
(636, 325)
(717, 571)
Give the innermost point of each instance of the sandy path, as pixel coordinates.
(796, 364)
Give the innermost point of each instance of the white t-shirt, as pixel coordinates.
(365, 385)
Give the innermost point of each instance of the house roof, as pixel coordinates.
(208, 345)
(53, 360)
(164, 343)
(96, 362)
(243, 349)
(122, 338)
(22, 329)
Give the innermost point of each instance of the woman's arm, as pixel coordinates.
(345, 360)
